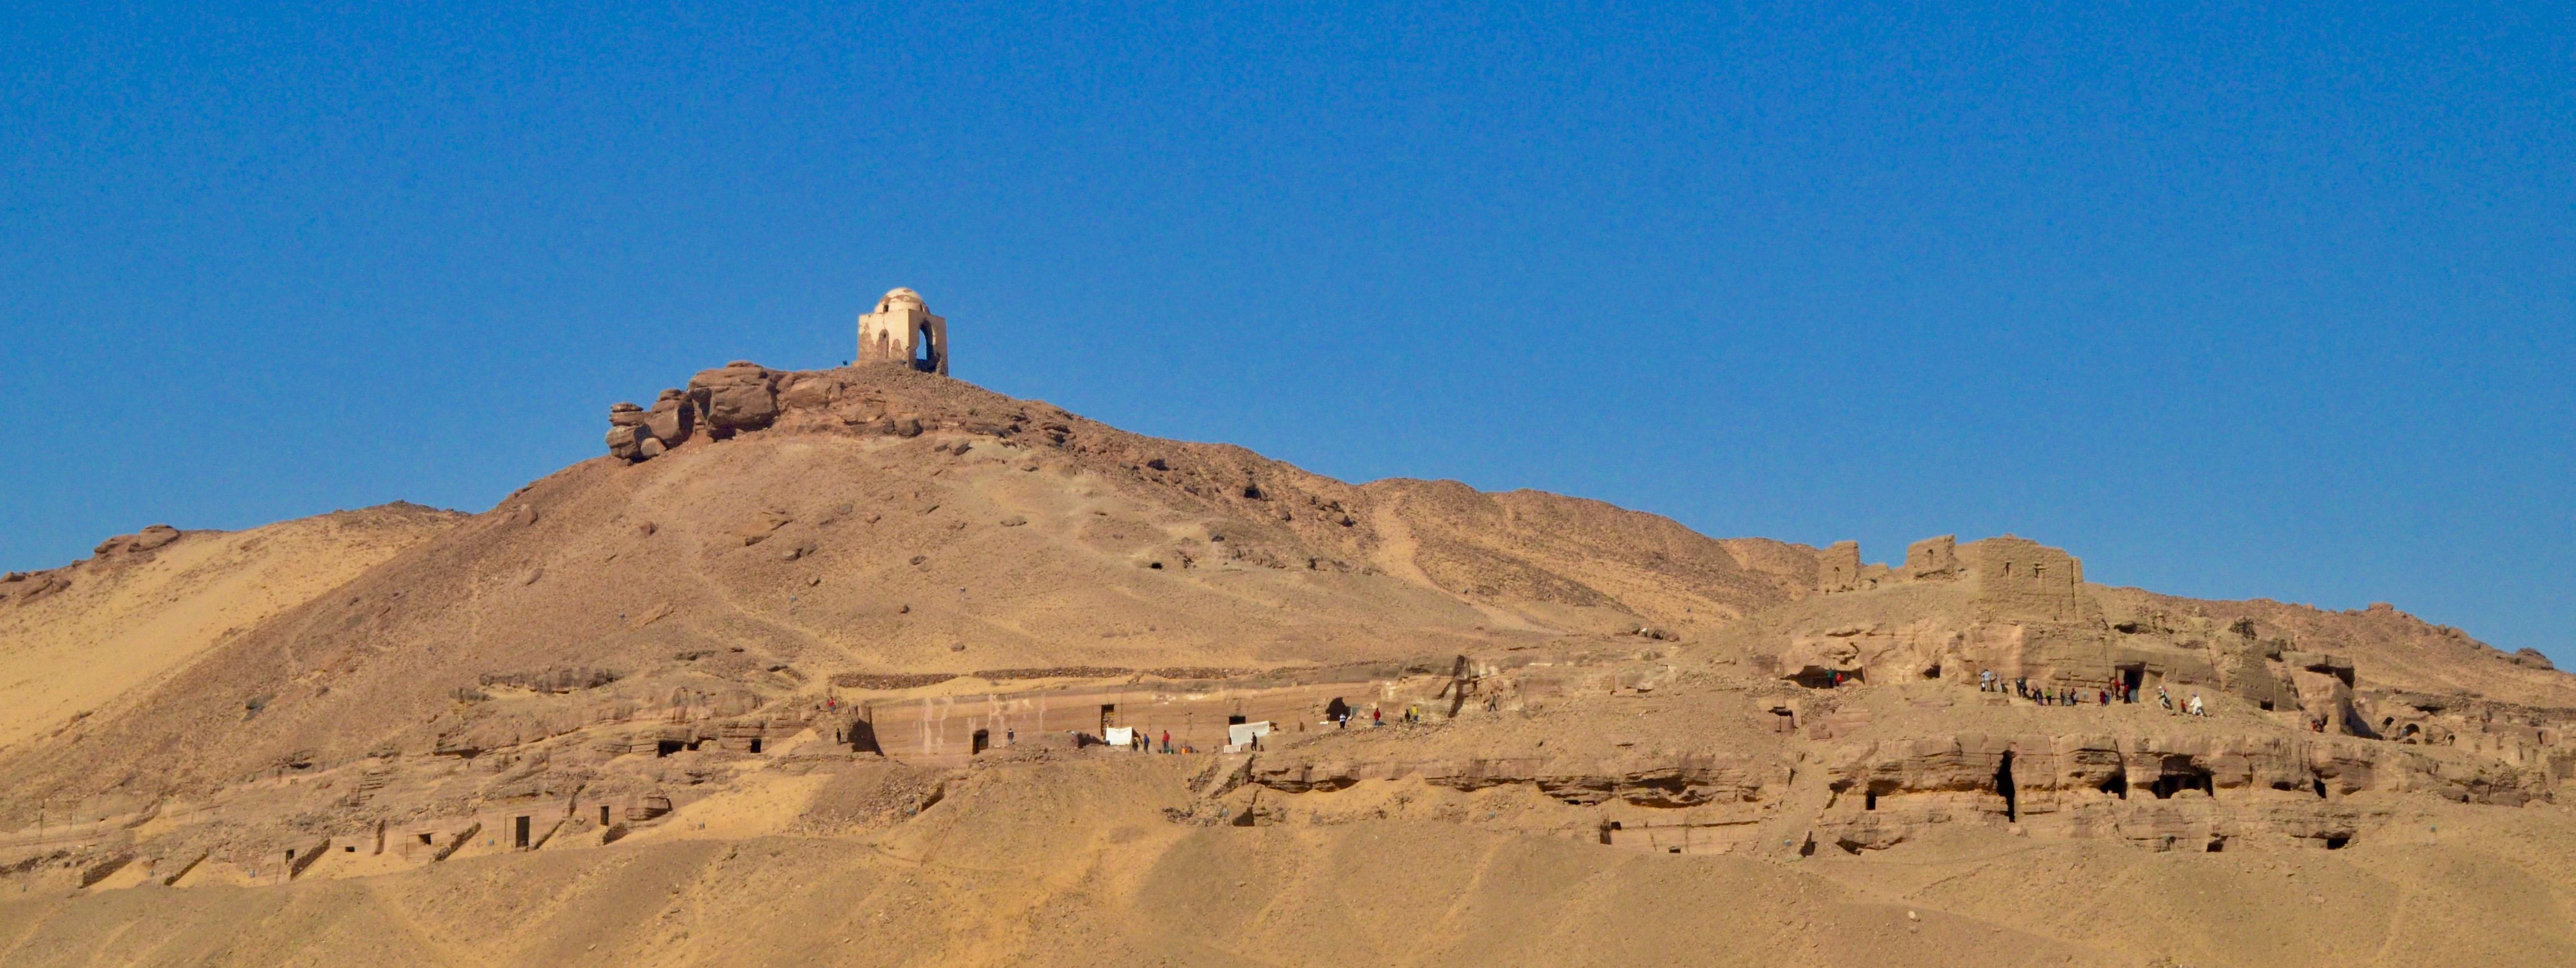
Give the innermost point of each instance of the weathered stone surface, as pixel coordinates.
(671, 422)
(148, 539)
(1838, 567)
(1645, 780)
(740, 396)
(811, 391)
(1932, 559)
(671, 426)
(1810, 660)
(623, 443)
(36, 587)
(2161, 792)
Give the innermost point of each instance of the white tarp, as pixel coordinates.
(1239, 736)
(1120, 735)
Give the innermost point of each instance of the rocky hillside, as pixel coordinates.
(855, 665)
(798, 526)
(80, 641)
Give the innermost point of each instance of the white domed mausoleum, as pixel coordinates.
(902, 330)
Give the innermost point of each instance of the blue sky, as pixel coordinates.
(2275, 301)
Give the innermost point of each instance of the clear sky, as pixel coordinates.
(2229, 300)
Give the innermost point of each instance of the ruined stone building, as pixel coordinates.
(2021, 610)
(903, 331)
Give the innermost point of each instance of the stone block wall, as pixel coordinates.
(2021, 579)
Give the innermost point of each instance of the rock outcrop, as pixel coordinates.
(20, 587)
(27, 587)
(744, 397)
(146, 540)
(739, 397)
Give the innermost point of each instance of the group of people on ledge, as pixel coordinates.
(1990, 681)
(1341, 714)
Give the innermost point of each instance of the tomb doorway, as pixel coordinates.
(2004, 787)
(2180, 774)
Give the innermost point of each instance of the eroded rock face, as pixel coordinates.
(807, 391)
(2018, 611)
(636, 433)
(2162, 792)
(1685, 780)
(148, 539)
(740, 396)
(626, 443)
(744, 397)
(1815, 660)
(673, 419)
(1878, 757)
(20, 588)
(27, 587)
(2138, 787)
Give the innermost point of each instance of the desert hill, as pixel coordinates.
(77, 637)
(822, 655)
(752, 567)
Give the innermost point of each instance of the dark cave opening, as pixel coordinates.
(2004, 787)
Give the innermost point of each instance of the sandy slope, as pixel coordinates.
(1070, 863)
(128, 620)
